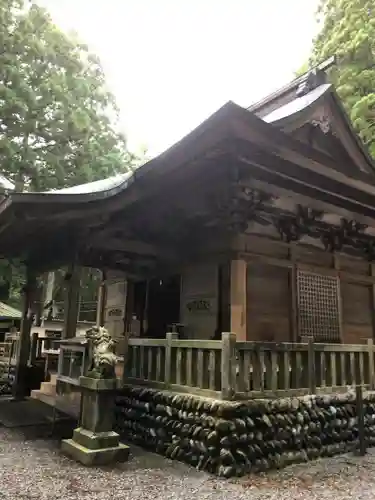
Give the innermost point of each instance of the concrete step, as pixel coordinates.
(48, 388)
(68, 406)
(62, 413)
(41, 396)
(53, 379)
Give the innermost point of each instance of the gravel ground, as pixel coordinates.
(31, 467)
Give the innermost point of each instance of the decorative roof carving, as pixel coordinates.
(313, 80)
(323, 123)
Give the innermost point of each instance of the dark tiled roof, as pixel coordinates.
(8, 312)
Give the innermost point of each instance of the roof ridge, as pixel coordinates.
(295, 83)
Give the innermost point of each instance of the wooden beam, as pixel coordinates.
(102, 299)
(224, 311)
(372, 273)
(71, 302)
(19, 386)
(129, 306)
(293, 295)
(125, 245)
(336, 266)
(342, 196)
(238, 299)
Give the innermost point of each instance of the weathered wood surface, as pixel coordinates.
(240, 370)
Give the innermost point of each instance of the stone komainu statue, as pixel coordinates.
(103, 358)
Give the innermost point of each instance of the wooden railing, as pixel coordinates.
(5, 351)
(9, 351)
(181, 365)
(286, 369)
(86, 311)
(240, 370)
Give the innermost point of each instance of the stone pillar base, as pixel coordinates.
(94, 443)
(91, 448)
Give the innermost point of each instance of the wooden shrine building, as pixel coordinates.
(260, 222)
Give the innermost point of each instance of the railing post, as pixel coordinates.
(171, 336)
(371, 368)
(228, 365)
(311, 366)
(361, 420)
(33, 348)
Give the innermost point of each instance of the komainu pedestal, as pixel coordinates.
(94, 442)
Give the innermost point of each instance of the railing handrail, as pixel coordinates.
(250, 369)
(250, 345)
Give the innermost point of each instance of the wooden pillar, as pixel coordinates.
(29, 293)
(238, 299)
(102, 299)
(48, 295)
(129, 306)
(223, 316)
(293, 296)
(372, 274)
(71, 303)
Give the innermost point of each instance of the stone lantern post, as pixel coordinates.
(94, 442)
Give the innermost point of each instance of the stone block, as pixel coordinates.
(95, 441)
(98, 384)
(102, 456)
(97, 411)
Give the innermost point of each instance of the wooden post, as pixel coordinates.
(102, 298)
(371, 368)
(33, 348)
(129, 306)
(71, 305)
(171, 336)
(361, 420)
(228, 366)
(238, 299)
(29, 291)
(372, 274)
(311, 366)
(293, 296)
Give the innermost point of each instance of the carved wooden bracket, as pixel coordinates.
(292, 226)
(242, 206)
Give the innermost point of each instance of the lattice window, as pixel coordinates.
(318, 306)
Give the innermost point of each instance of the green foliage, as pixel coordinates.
(302, 70)
(348, 31)
(58, 121)
(56, 113)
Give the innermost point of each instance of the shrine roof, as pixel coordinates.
(9, 312)
(258, 137)
(107, 184)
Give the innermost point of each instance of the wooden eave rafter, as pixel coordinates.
(238, 133)
(348, 135)
(309, 160)
(322, 190)
(339, 123)
(262, 106)
(140, 248)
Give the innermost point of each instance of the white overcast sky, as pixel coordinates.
(171, 63)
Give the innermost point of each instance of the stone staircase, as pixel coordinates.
(68, 403)
(47, 391)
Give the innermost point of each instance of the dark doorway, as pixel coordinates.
(163, 305)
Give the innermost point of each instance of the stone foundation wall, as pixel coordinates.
(234, 438)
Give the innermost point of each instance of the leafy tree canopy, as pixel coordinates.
(58, 121)
(348, 31)
(56, 113)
